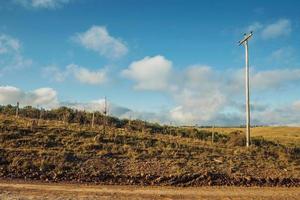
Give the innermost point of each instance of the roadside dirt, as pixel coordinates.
(28, 190)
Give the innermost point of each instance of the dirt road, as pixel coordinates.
(24, 191)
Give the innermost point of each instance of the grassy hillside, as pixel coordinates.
(289, 136)
(140, 153)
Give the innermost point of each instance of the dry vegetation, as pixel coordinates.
(289, 136)
(137, 153)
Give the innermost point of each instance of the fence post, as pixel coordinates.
(93, 119)
(17, 109)
(213, 134)
(40, 117)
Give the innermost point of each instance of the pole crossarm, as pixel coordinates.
(246, 38)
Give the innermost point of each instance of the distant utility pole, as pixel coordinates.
(105, 113)
(17, 109)
(105, 106)
(245, 42)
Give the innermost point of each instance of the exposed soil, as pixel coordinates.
(30, 191)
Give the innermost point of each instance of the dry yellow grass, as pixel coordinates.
(284, 135)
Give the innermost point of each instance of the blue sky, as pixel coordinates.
(167, 61)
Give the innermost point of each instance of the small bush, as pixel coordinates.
(236, 138)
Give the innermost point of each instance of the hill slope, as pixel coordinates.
(51, 150)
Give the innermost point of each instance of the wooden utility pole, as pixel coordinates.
(17, 109)
(245, 42)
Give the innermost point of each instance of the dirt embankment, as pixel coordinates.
(56, 152)
(182, 180)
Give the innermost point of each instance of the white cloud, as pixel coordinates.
(284, 56)
(42, 96)
(197, 90)
(39, 4)
(193, 107)
(10, 94)
(179, 114)
(296, 105)
(117, 110)
(256, 26)
(9, 44)
(199, 95)
(287, 115)
(203, 95)
(99, 40)
(282, 27)
(98, 105)
(150, 73)
(11, 57)
(221, 106)
(196, 74)
(86, 76)
(82, 74)
(55, 73)
(264, 80)
(272, 79)
(94, 105)
(46, 97)
(280, 54)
